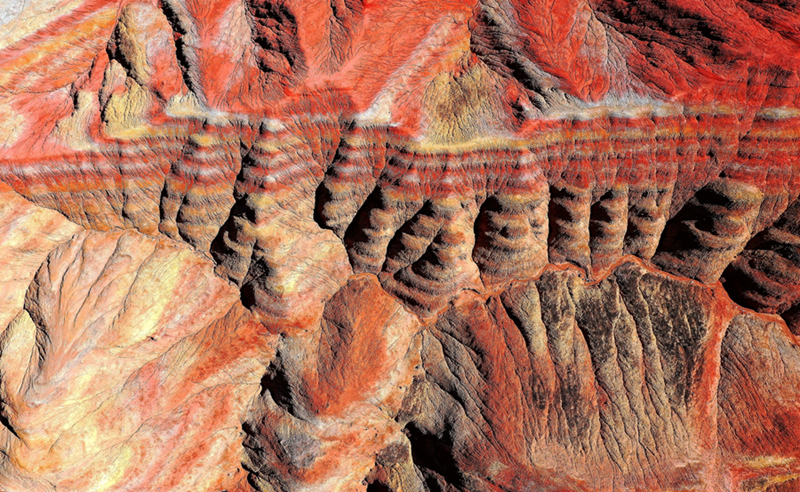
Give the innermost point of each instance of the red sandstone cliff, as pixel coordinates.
(406, 245)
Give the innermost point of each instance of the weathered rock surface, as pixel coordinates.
(408, 245)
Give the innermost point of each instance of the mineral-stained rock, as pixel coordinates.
(760, 435)
(28, 234)
(401, 245)
(621, 373)
(101, 379)
(331, 396)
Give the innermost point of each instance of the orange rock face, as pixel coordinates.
(406, 245)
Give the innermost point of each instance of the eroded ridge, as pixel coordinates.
(556, 383)
(491, 142)
(432, 222)
(408, 245)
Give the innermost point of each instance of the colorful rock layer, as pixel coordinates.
(402, 245)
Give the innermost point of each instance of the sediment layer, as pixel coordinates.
(409, 246)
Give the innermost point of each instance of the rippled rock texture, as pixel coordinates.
(401, 245)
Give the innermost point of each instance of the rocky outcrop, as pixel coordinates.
(101, 377)
(411, 245)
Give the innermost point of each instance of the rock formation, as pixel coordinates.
(401, 245)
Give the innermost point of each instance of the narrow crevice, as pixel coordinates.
(355, 235)
(433, 456)
(322, 196)
(4, 420)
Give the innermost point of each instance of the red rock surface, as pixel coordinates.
(407, 245)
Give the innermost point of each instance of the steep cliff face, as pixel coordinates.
(407, 245)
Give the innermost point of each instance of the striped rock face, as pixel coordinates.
(400, 245)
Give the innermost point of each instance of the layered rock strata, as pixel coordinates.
(273, 245)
